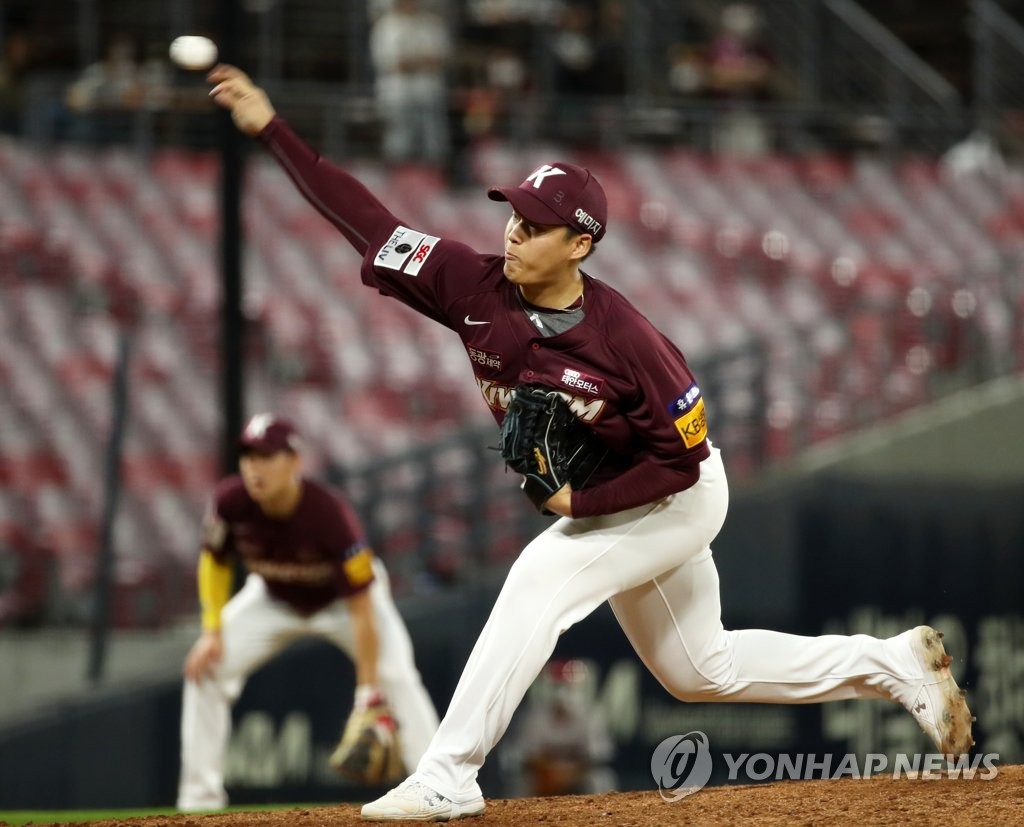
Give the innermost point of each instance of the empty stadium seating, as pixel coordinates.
(862, 286)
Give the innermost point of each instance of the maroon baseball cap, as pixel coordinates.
(268, 434)
(559, 193)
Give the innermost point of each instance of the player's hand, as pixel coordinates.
(234, 90)
(560, 502)
(204, 656)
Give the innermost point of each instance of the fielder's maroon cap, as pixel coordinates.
(559, 193)
(268, 434)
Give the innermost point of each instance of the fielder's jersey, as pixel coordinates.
(622, 377)
(308, 559)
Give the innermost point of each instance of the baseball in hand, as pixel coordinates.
(193, 52)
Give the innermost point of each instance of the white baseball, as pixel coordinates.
(193, 51)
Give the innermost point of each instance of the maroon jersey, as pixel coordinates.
(315, 555)
(623, 378)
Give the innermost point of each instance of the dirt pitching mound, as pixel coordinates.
(877, 801)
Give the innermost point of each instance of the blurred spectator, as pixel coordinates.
(111, 83)
(574, 72)
(409, 46)
(107, 99)
(491, 94)
(588, 70)
(687, 56)
(155, 76)
(101, 99)
(562, 745)
(740, 65)
(977, 153)
(686, 70)
(16, 63)
(740, 69)
(574, 47)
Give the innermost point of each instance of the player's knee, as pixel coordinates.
(698, 688)
(703, 678)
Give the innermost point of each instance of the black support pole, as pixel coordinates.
(232, 320)
(100, 626)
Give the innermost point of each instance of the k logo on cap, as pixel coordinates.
(539, 174)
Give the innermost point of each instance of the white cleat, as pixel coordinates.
(939, 706)
(413, 801)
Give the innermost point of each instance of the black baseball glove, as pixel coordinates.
(542, 439)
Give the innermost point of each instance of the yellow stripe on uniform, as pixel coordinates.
(214, 589)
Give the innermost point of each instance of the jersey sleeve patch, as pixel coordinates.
(690, 419)
(419, 257)
(358, 565)
(406, 251)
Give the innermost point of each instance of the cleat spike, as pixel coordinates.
(945, 718)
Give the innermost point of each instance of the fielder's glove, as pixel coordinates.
(542, 439)
(368, 752)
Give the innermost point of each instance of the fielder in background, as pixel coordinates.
(638, 531)
(561, 743)
(311, 573)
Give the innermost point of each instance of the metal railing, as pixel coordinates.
(862, 81)
(998, 68)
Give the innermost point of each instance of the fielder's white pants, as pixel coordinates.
(255, 628)
(654, 566)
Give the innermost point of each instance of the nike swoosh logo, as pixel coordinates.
(469, 321)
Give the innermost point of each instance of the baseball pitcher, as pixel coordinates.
(640, 504)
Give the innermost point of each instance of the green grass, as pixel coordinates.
(75, 816)
(20, 817)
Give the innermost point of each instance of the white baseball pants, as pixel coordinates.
(257, 627)
(654, 566)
